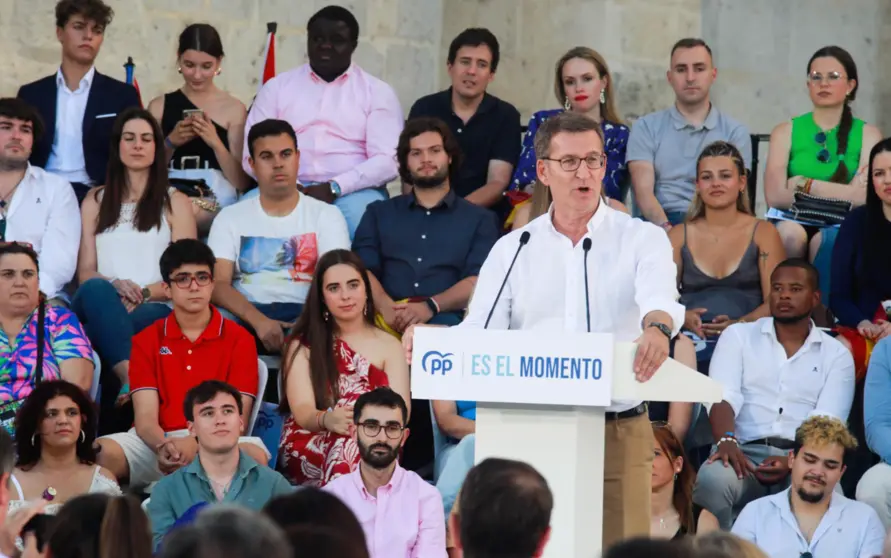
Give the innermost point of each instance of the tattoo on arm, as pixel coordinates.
(763, 256)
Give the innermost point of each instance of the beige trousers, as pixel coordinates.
(627, 479)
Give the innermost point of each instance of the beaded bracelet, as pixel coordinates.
(319, 419)
(728, 439)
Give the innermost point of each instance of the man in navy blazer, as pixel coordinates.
(78, 104)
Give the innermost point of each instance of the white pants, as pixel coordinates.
(874, 489)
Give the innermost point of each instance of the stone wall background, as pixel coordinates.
(761, 47)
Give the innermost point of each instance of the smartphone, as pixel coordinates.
(189, 112)
(40, 525)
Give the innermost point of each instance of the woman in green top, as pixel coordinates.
(824, 152)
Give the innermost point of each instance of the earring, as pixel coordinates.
(675, 476)
(603, 96)
(83, 436)
(365, 310)
(179, 69)
(566, 105)
(219, 71)
(33, 443)
(326, 315)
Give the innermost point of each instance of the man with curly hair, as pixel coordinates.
(812, 519)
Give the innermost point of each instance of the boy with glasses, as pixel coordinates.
(401, 513)
(192, 345)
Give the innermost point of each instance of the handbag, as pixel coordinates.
(818, 211)
(9, 410)
(223, 191)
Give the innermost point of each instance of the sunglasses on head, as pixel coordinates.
(823, 155)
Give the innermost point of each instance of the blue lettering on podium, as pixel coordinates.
(560, 368)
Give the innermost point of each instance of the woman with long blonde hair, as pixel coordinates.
(583, 84)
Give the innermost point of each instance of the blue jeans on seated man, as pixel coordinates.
(287, 312)
(456, 460)
(106, 321)
(351, 205)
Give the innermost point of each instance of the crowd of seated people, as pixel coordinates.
(113, 259)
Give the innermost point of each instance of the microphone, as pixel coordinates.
(524, 238)
(586, 246)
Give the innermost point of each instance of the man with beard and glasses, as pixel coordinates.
(400, 513)
(346, 120)
(776, 372)
(812, 519)
(36, 207)
(423, 252)
(221, 472)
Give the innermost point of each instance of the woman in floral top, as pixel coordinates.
(67, 353)
(582, 84)
(334, 355)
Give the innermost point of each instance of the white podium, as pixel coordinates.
(540, 399)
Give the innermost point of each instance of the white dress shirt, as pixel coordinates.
(630, 274)
(43, 212)
(67, 156)
(771, 394)
(849, 529)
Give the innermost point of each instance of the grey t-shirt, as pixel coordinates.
(672, 145)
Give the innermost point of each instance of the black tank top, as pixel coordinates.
(174, 105)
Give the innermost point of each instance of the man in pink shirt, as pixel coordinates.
(347, 121)
(401, 514)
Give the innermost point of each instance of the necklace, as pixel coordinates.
(4, 199)
(220, 488)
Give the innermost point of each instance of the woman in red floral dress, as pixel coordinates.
(334, 355)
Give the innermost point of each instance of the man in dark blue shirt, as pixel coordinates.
(425, 249)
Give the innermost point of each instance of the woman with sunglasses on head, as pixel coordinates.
(203, 125)
(674, 515)
(334, 354)
(38, 341)
(126, 226)
(822, 153)
(54, 441)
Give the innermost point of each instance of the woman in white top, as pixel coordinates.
(127, 224)
(54, 441)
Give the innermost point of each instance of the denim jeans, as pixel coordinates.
(456, 460)
(352, 205)
(106, 321)
(281, 311)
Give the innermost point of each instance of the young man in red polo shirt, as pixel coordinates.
(192, 345)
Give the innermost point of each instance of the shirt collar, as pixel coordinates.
(487, 104)
(395, 480)
(448, 201)
(213, 330)
(84, 84)
(680, 121)
(246, 464)
(593, 223)
(813, 336)
(837, 502)
(342, 77)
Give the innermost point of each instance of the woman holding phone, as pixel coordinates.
(203, 126)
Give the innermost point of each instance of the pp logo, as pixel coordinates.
(434, 362)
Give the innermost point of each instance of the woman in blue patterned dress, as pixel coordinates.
(582, 83)
(66, 353)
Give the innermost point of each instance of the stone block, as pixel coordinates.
(287, 13)
(383, 18)
(411, 71)
(177, 6)
(419, 21)
(237, 9)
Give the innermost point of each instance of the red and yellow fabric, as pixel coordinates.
(517, 199)
(861, 347)
(381, 323)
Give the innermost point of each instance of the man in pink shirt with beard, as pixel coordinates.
(401, 514)
(347, 121)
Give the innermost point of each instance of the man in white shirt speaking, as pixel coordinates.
(630, 292)
(811, 519)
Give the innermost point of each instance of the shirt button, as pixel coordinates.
(428, 213)
(416, 285)
(423, 237)
(460, 130)
(190, 351)
(189, 367)
(419, 259)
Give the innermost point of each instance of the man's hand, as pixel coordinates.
(174, 453)
(717, 326)
(693, 321)
(732, 455)
(272, 333)
(772, 470)
(15, 522)
(652, 350)
(411, 313)
(321, 191)
(408, 338)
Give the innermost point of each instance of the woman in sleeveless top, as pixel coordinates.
(823, 152)
(674, 515)
(724, 255)
(55, 430)
(203, 125)
(127, 224)
(334, 355)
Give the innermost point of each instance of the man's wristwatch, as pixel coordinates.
(431, 304)
(335, 189)
(661, 327)
(146, 294)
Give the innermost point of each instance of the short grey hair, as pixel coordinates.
(564, 123)
(230, 531)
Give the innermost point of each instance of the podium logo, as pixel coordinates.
(434, 362)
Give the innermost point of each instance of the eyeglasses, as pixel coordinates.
(817, 78)
(372, 429)
(823, 155)
(570, 164)
(184, 280)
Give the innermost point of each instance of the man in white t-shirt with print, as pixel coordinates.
(267, 247)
